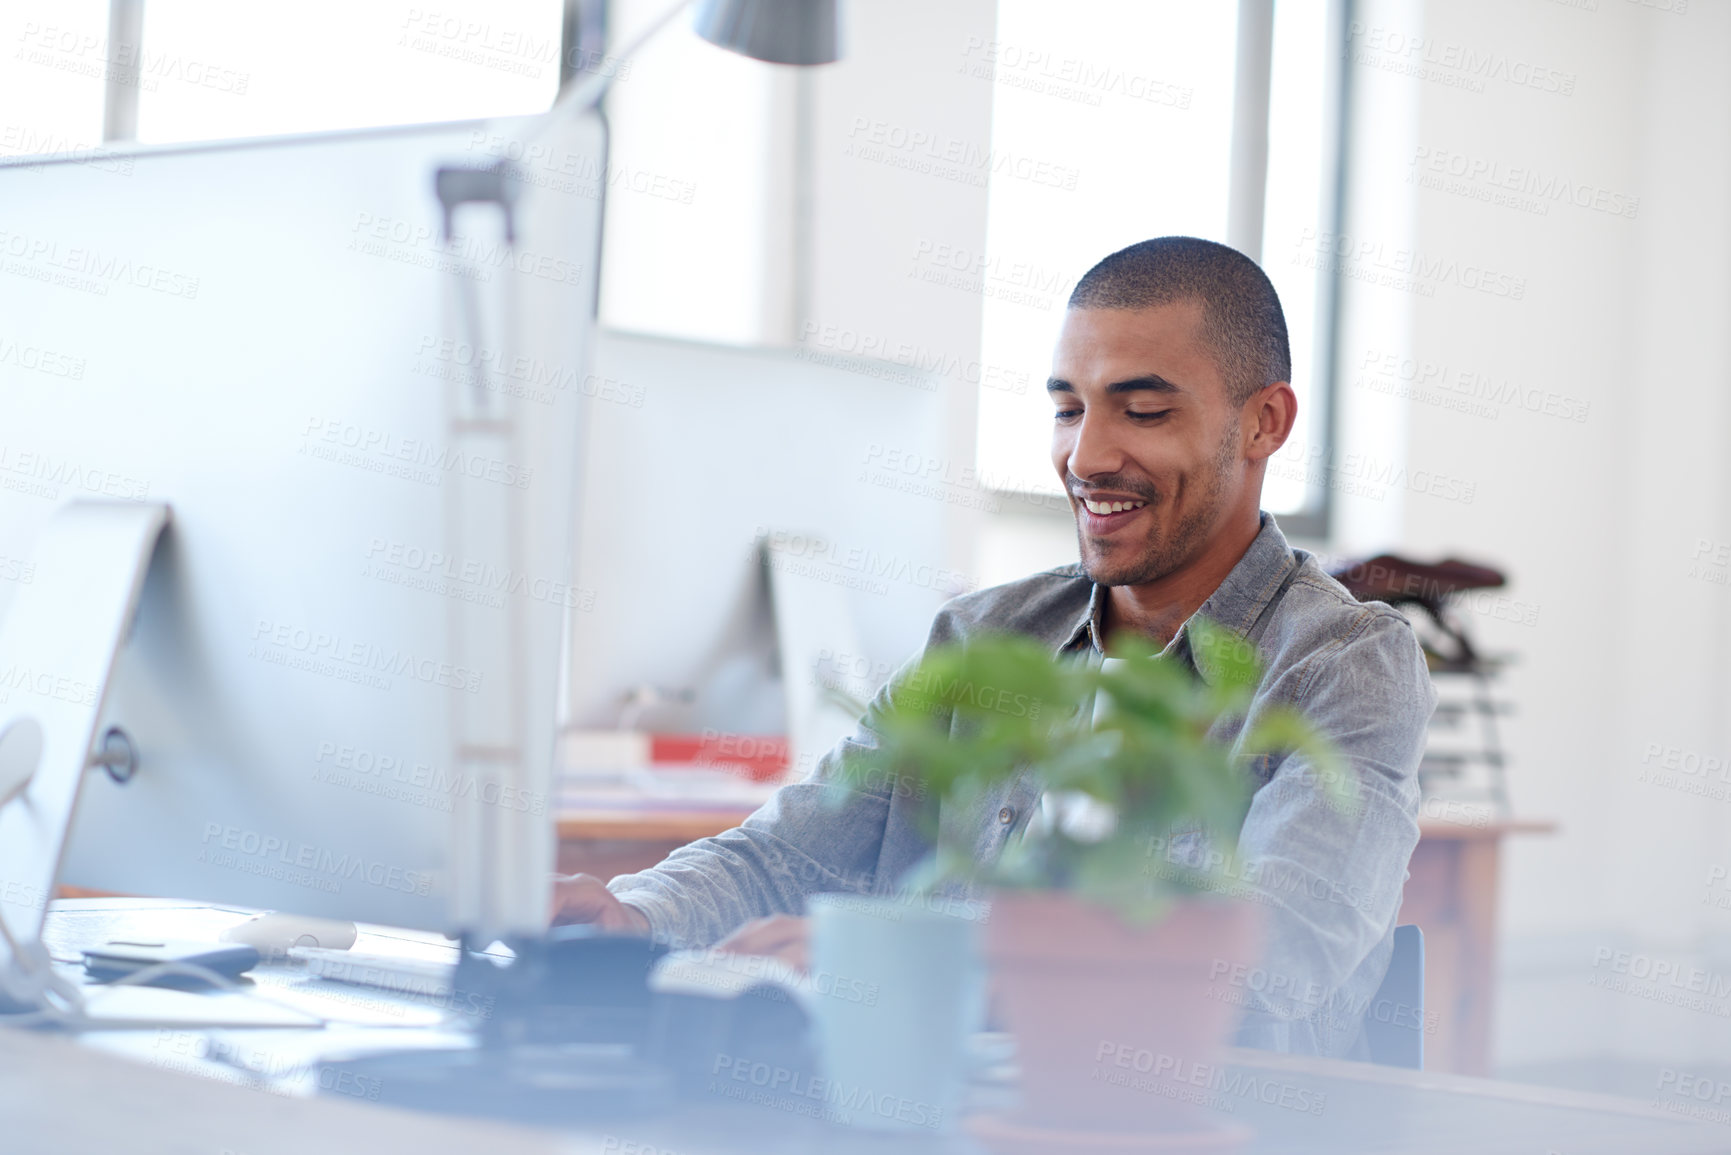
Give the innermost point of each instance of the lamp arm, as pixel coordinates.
(588, 92)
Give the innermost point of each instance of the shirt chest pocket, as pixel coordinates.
(989, 823)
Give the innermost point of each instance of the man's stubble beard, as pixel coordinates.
(1160, 558)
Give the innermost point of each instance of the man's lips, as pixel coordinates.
(1106, 512)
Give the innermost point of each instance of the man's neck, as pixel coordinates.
(1160, 608)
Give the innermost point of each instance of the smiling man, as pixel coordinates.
(1170, 389)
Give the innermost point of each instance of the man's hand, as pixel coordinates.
(585, 898)
(779, 936)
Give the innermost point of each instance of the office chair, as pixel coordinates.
(1394, 1020)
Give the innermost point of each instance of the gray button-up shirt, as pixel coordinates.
(1329, 873)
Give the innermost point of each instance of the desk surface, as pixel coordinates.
(57, 1095)
(665, 824)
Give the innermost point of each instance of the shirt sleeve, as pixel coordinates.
(812, 836)
(1330, 870)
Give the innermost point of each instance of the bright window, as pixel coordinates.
(51, 82)
(1302, 121)
(1130, 102)
(214, 68)
(697, 207)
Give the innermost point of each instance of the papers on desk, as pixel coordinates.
(277, 1001)
(77, 923)
(648, 792)
(342, 1005)
(279, 997)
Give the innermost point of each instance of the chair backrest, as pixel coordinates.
(1394, 1020)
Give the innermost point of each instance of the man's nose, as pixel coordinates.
(1095, 451)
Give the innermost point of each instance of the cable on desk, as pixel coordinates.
(32, 981)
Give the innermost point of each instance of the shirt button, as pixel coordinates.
(1006, 816)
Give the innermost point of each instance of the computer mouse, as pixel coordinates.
(273, 932)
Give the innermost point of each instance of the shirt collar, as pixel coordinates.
(1086, 634)
(1238, 603)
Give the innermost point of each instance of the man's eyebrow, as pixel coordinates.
(1151, 383)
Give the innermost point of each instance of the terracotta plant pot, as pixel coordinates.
(1118, 1028)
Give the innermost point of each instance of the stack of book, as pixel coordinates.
(626, 769)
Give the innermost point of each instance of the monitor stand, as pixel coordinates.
(58, 644)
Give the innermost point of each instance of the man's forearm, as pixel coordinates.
(799, 844)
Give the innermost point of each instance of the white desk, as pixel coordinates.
(57, 1095)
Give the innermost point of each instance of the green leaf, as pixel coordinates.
(971, 719)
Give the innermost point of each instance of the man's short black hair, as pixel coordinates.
(1241, 317)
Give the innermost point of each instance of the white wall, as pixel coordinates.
(884, 202)
(1597, 519)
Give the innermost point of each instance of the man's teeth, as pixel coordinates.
(1103, 507)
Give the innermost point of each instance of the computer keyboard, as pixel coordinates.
(406, 976)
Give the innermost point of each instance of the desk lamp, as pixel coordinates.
(774, 31)
(573, 985)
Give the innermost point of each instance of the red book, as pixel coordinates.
(759, 757)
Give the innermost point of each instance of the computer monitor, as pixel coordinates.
(341, 684)
(834, 469)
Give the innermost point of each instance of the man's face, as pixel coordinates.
(1144, 439)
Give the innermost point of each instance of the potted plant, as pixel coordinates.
(1103, 933)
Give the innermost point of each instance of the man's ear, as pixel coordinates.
(1268, 417)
